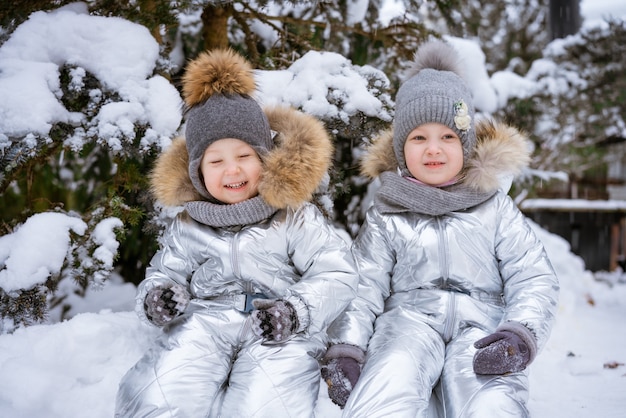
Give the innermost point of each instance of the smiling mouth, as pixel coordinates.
(434, 163)
(236, 185)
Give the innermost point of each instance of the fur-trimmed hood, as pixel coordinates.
(292, 170)
(500, 150)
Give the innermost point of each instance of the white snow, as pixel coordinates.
(36, 250)
(121, 54)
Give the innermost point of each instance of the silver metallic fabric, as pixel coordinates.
(208, 362)
(430, 287)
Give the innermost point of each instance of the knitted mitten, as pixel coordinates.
(164, 303)
(501, 352)
(341, 374)
(274, 320)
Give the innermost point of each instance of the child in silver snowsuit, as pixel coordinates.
(456, 294)
(250, 274)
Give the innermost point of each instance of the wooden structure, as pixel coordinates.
(595, 229)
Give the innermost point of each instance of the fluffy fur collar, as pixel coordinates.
(292, 170)
(500, 150)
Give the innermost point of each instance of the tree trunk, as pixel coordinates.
(148, 6)
(215, 26)
(564, 18)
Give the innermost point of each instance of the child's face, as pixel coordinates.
(433, 153)
(231, 170)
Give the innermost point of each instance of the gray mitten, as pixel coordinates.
(341, 374)
(164, 303)
(274, 320)
(501, 352)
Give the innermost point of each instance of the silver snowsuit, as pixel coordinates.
(208, 362)
(430, 286)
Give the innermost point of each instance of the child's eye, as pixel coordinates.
(418, 138)
(449, 136)
(214, 162)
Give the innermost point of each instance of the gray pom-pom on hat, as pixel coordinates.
(434, 92)
(218, 88)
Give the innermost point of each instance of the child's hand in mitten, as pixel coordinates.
(274, 320)
(501, 352)
(164, 303)
(341, 374)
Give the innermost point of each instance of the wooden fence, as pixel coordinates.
(595, 229)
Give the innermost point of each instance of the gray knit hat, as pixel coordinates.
(217, 87)
(434, 92)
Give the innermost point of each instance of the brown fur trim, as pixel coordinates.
(499, 149)
(169, 179)
(380, 156)
(295, 168)
(217, 72)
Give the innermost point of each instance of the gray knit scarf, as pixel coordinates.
(397, 195)
(249, 211)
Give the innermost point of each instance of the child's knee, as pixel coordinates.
(498, 398)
